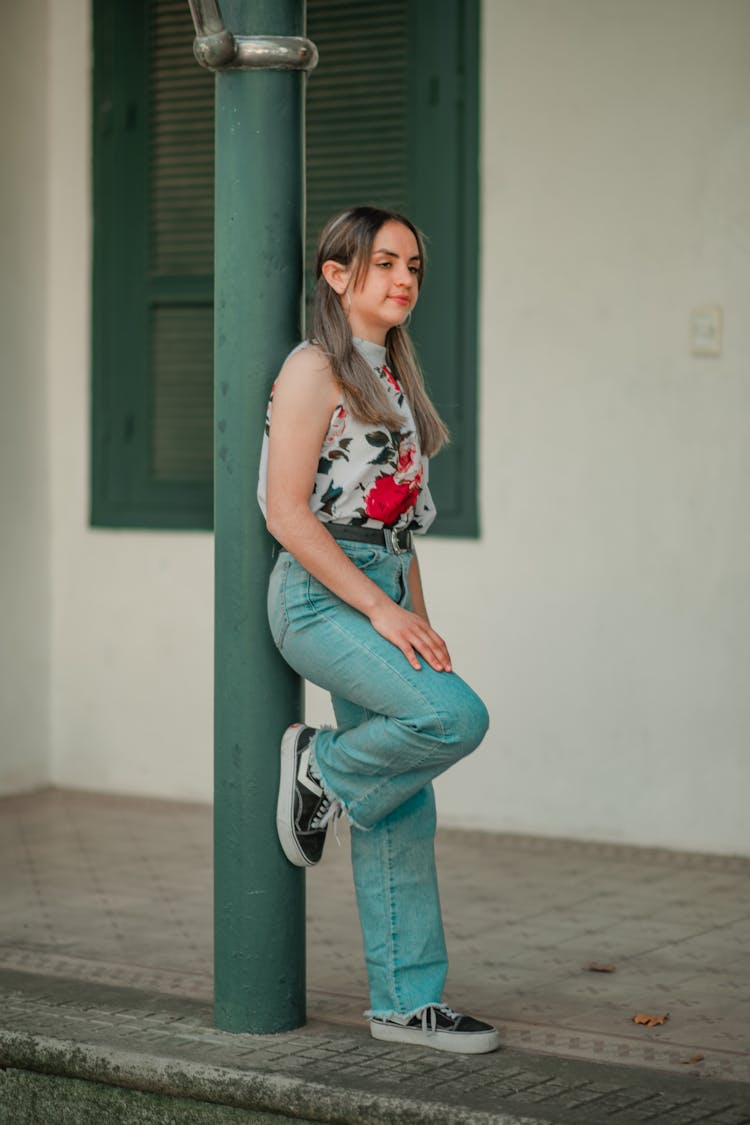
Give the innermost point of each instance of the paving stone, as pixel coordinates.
(105, 946)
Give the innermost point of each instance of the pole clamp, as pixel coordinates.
(216, 48)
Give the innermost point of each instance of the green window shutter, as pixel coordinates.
(391, 120)
(181, 393)
(181, 120)
(153, 269)
(181, 212)
(444, 202)
(357, 110)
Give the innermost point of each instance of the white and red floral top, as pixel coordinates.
(367, 475)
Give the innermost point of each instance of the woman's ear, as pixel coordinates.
(337, 276)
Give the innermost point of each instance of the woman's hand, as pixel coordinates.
(412, 634)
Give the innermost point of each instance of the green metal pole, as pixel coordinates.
(259, 898)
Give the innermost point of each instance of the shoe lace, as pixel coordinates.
(329, 810)
(429, 1014)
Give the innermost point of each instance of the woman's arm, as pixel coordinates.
(305, 395)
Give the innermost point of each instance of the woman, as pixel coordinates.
(343, 485)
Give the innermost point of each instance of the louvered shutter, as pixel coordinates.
(181, 212)
(357, 110)
(153, 269)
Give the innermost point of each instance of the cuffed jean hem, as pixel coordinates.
(328, 790)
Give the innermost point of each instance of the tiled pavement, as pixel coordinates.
(105, 936)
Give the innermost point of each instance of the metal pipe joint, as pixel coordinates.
(216, 48)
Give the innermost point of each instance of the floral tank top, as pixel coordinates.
(367, 476)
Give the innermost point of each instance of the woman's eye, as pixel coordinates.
(414, 270)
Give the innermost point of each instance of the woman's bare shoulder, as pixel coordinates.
(307, 380)
(307, 361)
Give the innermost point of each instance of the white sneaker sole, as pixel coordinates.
(458, 1042)
(285, 803)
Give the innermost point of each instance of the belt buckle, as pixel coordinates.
(395, 546)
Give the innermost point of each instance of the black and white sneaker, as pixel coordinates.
(438, 1026)
(303, 810)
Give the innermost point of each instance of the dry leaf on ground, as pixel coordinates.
(597, 967)
(651, 1021)
(693, 1059)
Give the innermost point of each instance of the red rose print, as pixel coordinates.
(337, 426)
(387, 499)
(391, 378)
(407, 458)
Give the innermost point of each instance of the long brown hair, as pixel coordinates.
(348, 239)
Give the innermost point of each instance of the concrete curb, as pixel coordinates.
(268, 1093)
(92, 1041)
(28, 1098)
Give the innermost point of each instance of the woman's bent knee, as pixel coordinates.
(474, 723)
(461, 727)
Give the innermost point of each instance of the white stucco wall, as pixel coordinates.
(24, 493)
(131, 700)
(604, 614)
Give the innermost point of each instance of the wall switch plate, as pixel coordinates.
(706, 330)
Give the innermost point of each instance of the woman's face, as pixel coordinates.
(388, 289)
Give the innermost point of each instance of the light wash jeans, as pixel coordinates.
(397, 729)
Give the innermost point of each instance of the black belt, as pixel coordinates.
(394, 541)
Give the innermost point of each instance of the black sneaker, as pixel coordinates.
(436, 1025)
(303, 809)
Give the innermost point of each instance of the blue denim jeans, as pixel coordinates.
(397, 728)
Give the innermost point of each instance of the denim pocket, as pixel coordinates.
(362, 554)
(318, 596)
